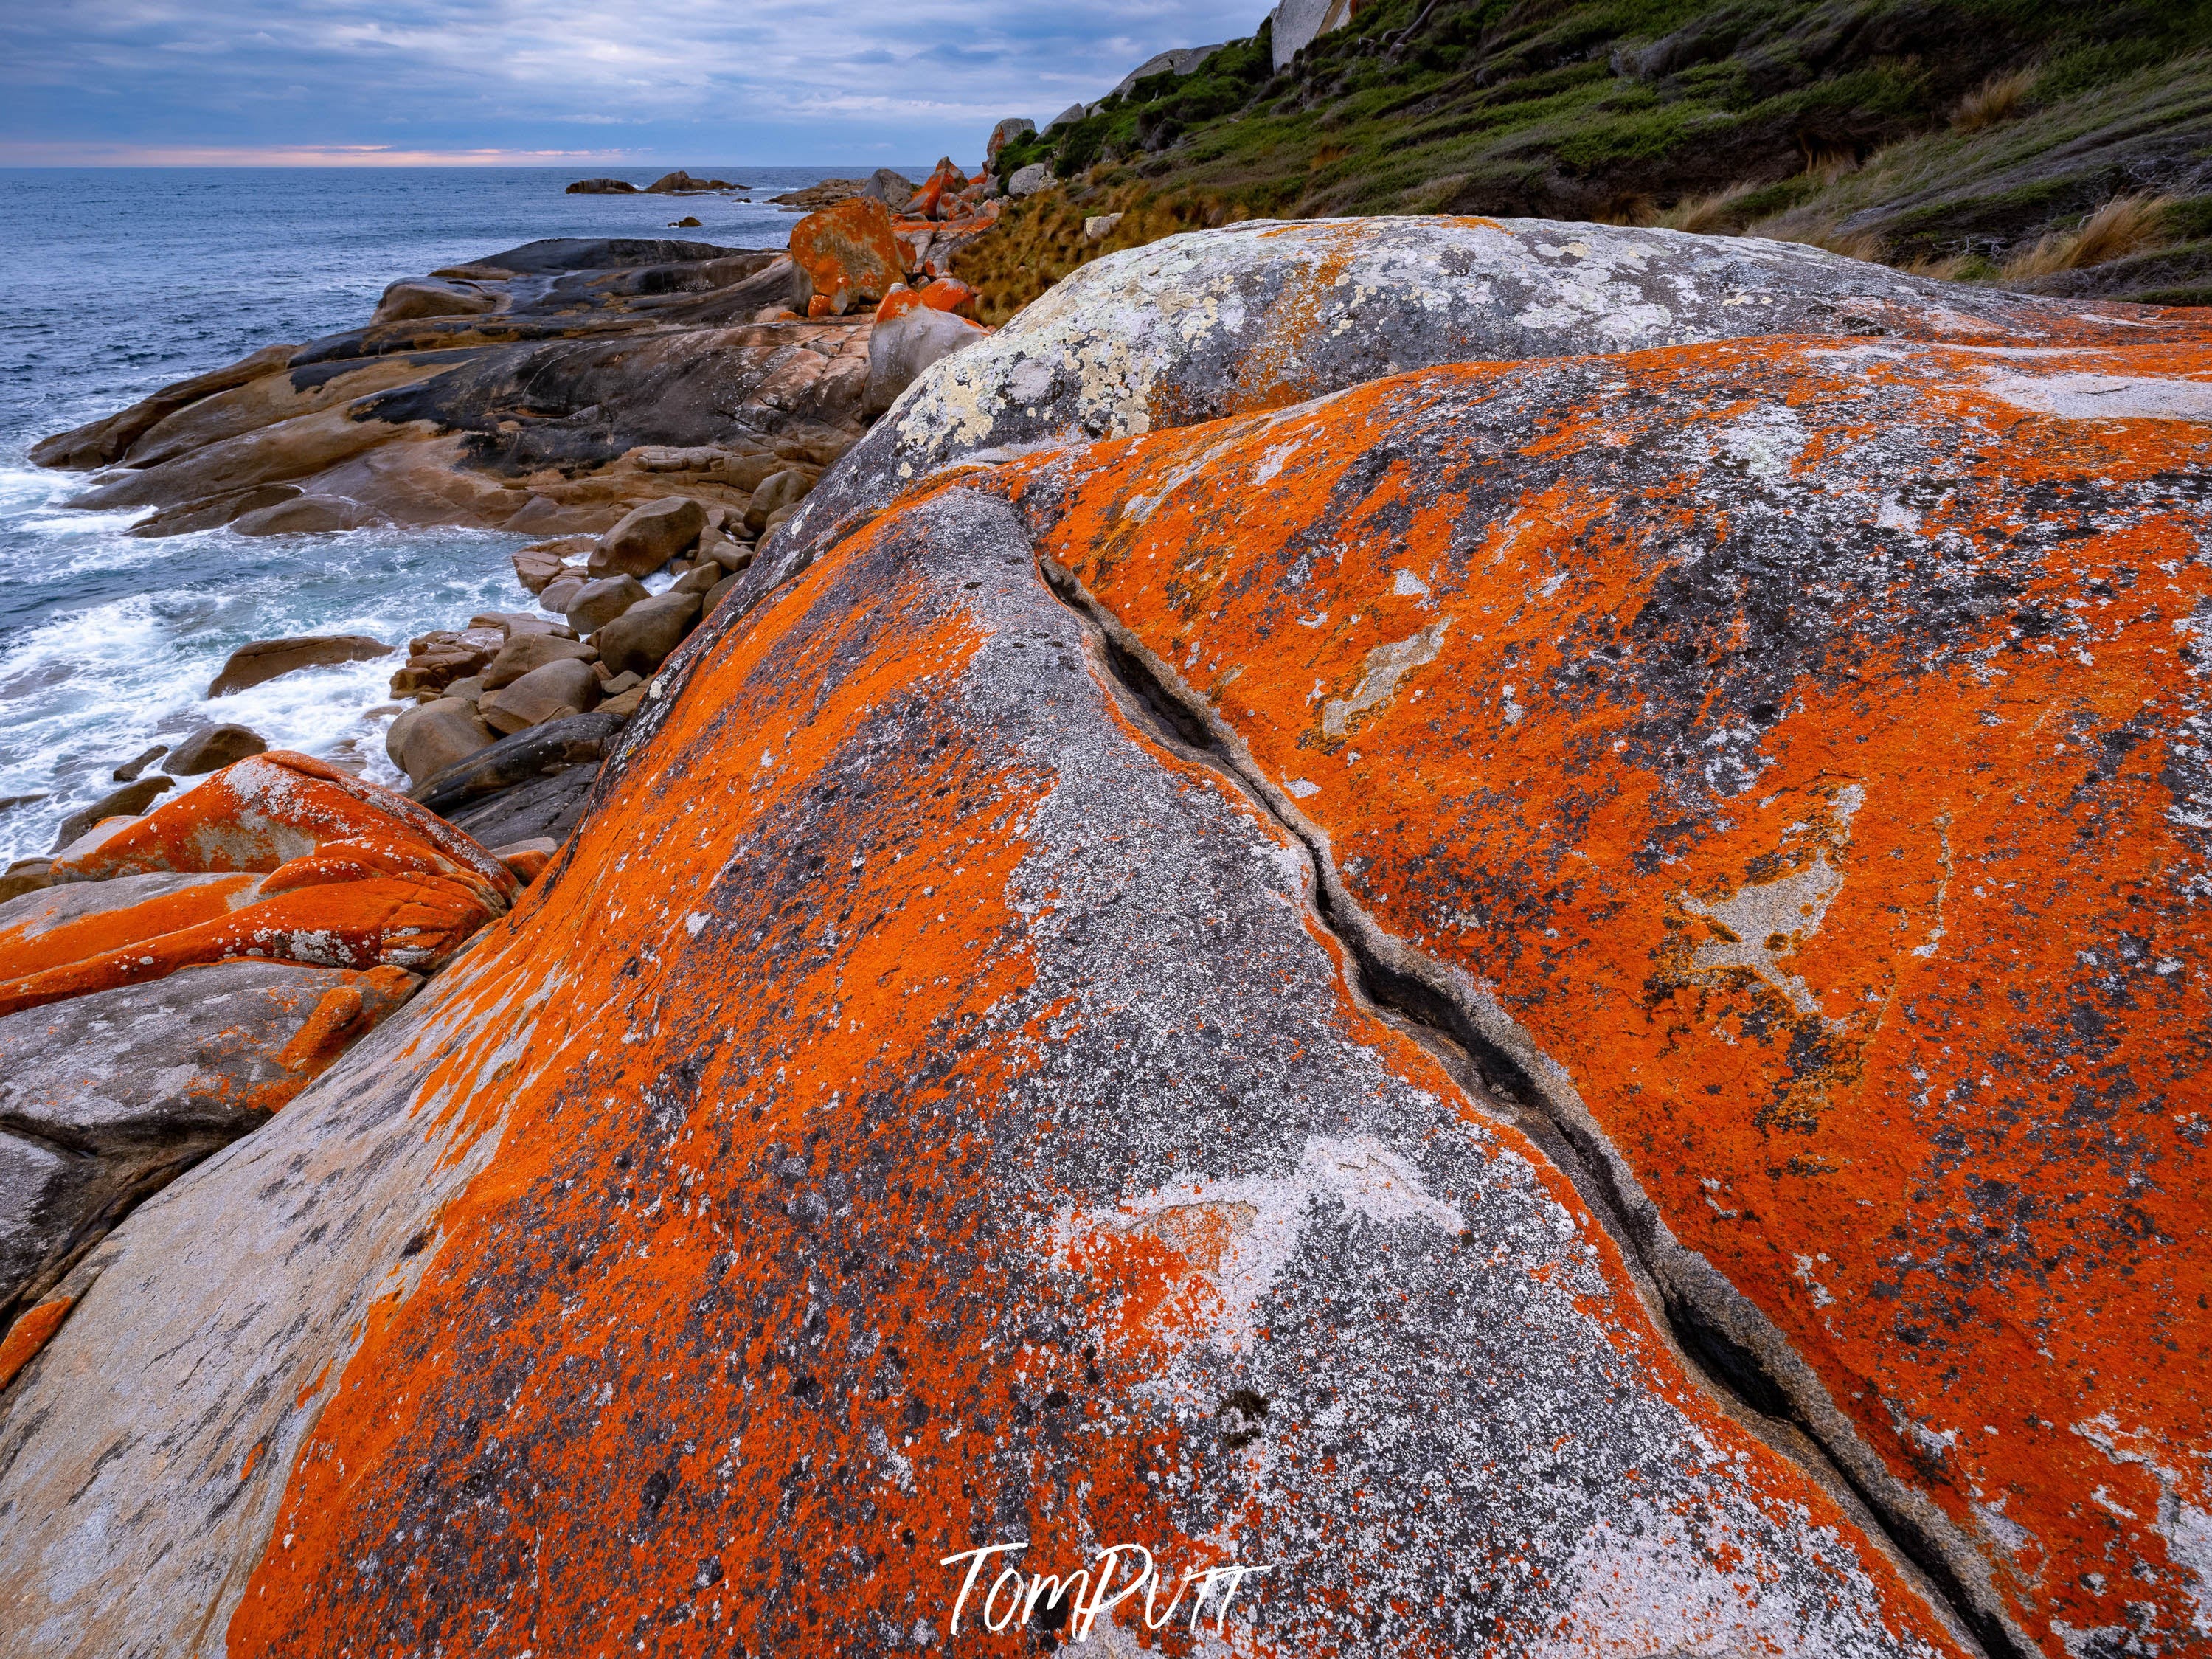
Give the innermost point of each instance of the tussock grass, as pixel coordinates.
(1714, 214)
(2124, 225)
(1996, 99)
(1949, 268)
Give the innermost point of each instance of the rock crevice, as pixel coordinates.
(1721, 1335)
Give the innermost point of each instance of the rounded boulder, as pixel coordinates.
(213, 749)
(639, 640)
(649, 537)
(596, 604)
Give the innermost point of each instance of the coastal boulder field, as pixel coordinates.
(1417, 936)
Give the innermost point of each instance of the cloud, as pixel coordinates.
(693, 80)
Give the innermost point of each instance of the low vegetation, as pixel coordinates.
(2057, 147)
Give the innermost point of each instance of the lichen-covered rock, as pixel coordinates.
(1558, 998)
(278, 856)
(924, 1110)
(1786, 759)
(1262, 314)
(844, 254)
(272, 809)
(107, 1097)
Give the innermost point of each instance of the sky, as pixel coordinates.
(555, 82)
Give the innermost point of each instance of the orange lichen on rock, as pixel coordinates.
(269, 808)
(32, 1330)
(1789, 753)
(355, 876)
(844, 254)
(945, 294)
(947, 1124)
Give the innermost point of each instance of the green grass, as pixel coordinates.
(1832, 118)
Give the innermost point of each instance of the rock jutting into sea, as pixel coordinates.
(550, 389)
(1499, 921)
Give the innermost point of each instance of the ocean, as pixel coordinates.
(118, 281)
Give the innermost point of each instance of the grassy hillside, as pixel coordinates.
(2055, 147)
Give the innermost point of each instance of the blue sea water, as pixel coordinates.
(114, 282)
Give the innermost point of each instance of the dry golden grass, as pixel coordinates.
(1829, 165)
(1631, 210)
(1708, 216)
(1997, 99)
(1948, 269)
(2124, 225)
(1808, 226)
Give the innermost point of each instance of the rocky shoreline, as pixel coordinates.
(1512, 893)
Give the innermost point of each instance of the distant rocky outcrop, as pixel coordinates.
(1295, 24)
(1180, 60)
(827, 193)
(541, 403)
(1489, 914)
(680, 182)
(602, 187)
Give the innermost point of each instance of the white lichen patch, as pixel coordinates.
(1760, 926)
(1386, 670)
(2102, 397)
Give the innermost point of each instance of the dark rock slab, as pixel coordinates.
(527, 754)
(551, 806)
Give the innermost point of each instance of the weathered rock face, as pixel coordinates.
(1555, 998)
(1260, 315)
(1786, 758)
(1029, 1205)
(107, 1097)
(549, 388)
